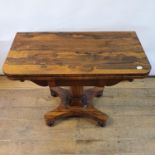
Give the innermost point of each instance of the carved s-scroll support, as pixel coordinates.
(64, 95)
(89, 94)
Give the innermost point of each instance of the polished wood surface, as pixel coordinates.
(89, 54)
(76, 59)
(76, 102)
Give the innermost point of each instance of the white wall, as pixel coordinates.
(78, 15)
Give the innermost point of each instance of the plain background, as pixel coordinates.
(78, 15)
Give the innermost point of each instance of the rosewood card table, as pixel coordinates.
(76, 60)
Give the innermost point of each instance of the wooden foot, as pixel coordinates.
(62, 112)
(76, 102)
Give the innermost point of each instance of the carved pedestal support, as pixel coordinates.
(76, 102)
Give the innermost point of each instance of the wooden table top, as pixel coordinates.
(76, 54)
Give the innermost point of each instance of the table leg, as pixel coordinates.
(76, 102)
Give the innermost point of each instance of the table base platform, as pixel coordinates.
(76, 102)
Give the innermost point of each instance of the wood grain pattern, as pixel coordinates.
(76, 55)
(76, 59)
(76, 102)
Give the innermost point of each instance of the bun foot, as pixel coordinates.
(101, 124)
(50, 123)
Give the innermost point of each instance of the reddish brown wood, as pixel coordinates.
(77, 102)
(78, 55)
(76, 59)
(77, 91)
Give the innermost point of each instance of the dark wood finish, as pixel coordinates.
(76, 59)
(76, 55)
(76, 102)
